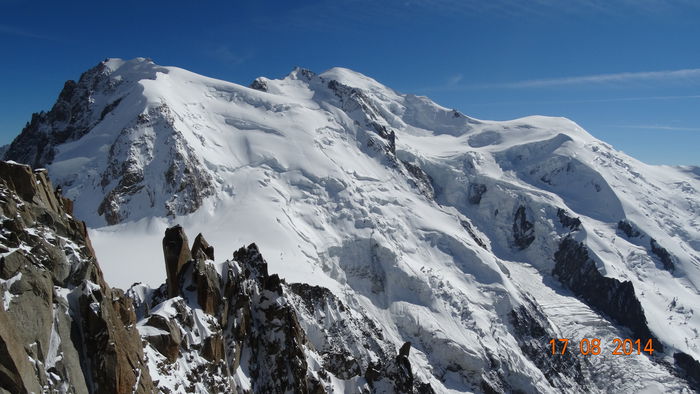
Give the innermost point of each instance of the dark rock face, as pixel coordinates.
(66, 121)
(690, 367)
(573, 224)
(523, 230)
(59, 300)
(628, 229)
(472, 234)
(532, 330)
(355, 103)
(474, 193)
(259, 84)
(637, 236)
(616, 299)
(421, 179)
(662, 254)
(563, 371)
(71, 117)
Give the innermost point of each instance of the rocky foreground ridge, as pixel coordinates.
(229, 327)
(62, 328)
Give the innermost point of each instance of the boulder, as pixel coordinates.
(168, 340)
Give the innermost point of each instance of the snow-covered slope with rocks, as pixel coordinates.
(477, 241)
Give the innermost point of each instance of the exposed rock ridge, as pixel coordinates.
(63, 329)
(234, 327)
(577, 271)
(617, 299)
(69, 119)
(637, 236)
(141, 146)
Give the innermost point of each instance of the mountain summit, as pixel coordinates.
(476, 241)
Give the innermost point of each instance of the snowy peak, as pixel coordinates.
(354, 79)
(302, 74)
(442, 228)
(132, 70)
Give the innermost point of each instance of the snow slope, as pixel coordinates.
(433, 223)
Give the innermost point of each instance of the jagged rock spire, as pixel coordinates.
(201, 245)
(177, 254)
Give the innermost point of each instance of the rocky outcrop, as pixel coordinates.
(358, 105)
(564, 372)
(572, 223)
(153, 144)
(577, 271)
(467, 226)
(234, 319)
(114, 355)
(147, 144)
(637, 236)
(201, 245)
(628, 229)
(63, 329)
(259, 84)
(523, 229)
(474, 193)
(690, 367)
(17, 374)
(420, 179)
(177, 253)
(662, 254)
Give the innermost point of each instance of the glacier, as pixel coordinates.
(441, 228)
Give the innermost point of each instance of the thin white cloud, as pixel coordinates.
(643, 98)
(11, 30)
(225, 54)
(454, 79)
(657, 127)
(594, 100)
(689, 74)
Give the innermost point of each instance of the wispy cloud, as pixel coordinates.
(689, 74)
(225, 54)
(686, 76)
(454, 79)
(594, 100)
(657, 127)
(642, 98)
(350, 15)
(14, 31)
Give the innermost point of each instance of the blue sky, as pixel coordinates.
(626, 70)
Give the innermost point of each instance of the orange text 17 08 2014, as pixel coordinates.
(594, 346)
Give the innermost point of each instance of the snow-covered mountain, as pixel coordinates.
(476, 241)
